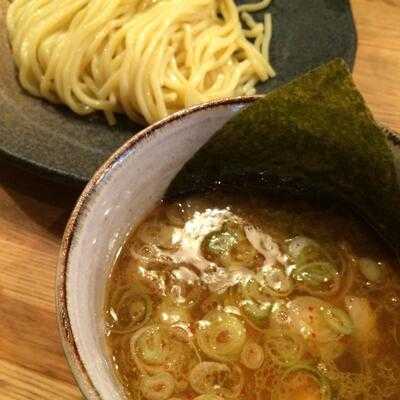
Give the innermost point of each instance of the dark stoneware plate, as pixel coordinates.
(54, 142)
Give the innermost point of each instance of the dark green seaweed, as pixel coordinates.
(313, 137)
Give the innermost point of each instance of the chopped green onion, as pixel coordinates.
(317, 320)
(252, 355)
(304, 250)
(256, 312)
(312, 267)
(205, 375)
(323, 382)
(268, 284)
(221, 243)
(169, 313)
(229, 247)
(130, 310)
(221, 336)
(152, 346)
(283, 347)
(338, 320)
(316, 273)
(371, 270)
(213, 378)
(158, 387)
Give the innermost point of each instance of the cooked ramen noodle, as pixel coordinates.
(145, 58)
(230, 297)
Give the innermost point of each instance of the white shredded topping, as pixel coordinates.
(218, 279)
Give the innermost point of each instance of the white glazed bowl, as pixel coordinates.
(120, 194)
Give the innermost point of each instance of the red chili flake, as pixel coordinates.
(223, 337)
(158, 387)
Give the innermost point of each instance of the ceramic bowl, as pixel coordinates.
(119, 196)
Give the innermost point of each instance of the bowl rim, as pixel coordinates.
(70, 348)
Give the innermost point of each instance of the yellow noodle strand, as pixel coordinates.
(145, 58)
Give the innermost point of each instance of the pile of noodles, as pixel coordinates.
(145, 58)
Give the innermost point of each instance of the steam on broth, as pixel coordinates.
(232, 297)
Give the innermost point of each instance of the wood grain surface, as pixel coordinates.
(33, 214)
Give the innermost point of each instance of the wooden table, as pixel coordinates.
(33, 214)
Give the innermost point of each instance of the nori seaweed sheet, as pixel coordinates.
(313, 138)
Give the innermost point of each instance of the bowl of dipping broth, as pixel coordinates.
(220, 295)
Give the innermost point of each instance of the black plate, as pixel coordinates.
(54, 142)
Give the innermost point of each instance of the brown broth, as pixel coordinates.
(313, 315)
